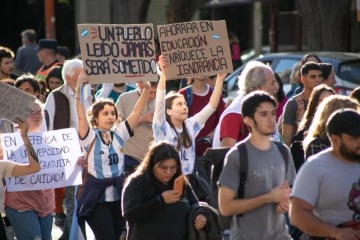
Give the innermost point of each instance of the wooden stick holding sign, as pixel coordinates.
(195, 48)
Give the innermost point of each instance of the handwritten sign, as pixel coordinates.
(58, 152)
(114, 53)
(15, 103)
(195, 48)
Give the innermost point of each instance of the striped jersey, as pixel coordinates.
(163, 131)
(107, 160)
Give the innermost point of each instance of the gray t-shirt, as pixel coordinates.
(266, 170)
(330, 185)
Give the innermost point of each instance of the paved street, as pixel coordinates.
(56, 231)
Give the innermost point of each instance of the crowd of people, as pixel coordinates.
(291, 171)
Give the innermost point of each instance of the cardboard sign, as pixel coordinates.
(195, 48)
(15, 103)
(114, 53)
(57, 151)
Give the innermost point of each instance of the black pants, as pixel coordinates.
(2, 229)
(106, 221)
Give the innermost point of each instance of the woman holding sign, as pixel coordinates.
(153, 208)
(99, 202)
(171, 120)
(29, 212)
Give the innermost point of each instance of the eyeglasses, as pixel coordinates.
(37, 113)
(166, 168)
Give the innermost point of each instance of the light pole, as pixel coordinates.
(50, 31)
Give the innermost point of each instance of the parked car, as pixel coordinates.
(346, 66)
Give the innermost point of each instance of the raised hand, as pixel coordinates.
(146, 84)
(221, 76)
(162, 62)
(22, 125)
(83, 78)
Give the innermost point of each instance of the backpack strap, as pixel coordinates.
(244, 164)
(85, 170)
(188, 96)
(283, 152)
(243, 171)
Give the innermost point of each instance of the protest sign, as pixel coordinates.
(195, 48)
(114, 53)
(15, 103)
(57, 151)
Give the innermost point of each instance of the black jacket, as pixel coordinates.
(212, 229)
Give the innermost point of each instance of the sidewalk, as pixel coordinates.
(57, 232)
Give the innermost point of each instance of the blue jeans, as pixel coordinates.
(28, 225)
(69, 203)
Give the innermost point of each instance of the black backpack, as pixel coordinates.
(217, 156)
(297, 149)
(202, 189)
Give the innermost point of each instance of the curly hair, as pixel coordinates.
(314, 101)
(98, 105)
(328, 106)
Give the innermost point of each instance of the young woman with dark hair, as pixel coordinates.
(171, 122)
(151, 207)
(99, 202)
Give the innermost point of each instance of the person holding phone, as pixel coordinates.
(151, 206)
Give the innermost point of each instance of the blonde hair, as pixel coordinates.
(329, 105)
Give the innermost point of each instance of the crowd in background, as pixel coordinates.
(138, 138)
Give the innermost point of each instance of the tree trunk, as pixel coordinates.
(182, 10)
(326, 24)
(127, 12)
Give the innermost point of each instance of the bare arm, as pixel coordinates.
(33, 166)
(229, 205)
(215, 97)
(83, 125)
(301, 216)
(228, 142)
(139, 107)
(162, 82)
(287, 133)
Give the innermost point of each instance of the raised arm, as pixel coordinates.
(163, 64)
(33, 166)
(135, 115)
(83, 125)
(215, 97)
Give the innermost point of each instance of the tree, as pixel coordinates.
(126, 12)
(182, 10)
(326, 24)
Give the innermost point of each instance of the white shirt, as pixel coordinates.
(163, 131)
(50, 106)
(106, 161)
